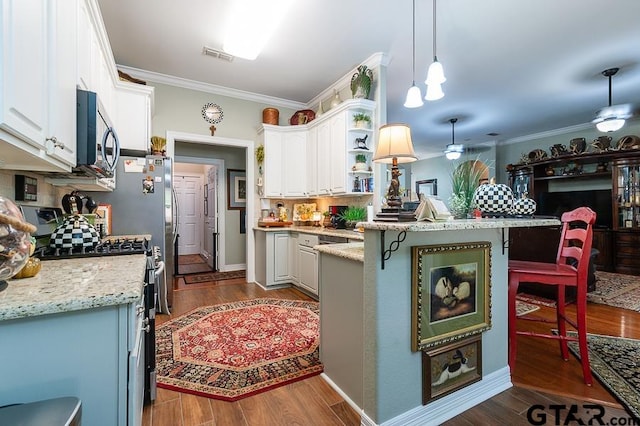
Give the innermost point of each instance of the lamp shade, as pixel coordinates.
(452, 155)
(434, 92)
(435, 73)
(394, 141)
(610, 124)
(414, 98)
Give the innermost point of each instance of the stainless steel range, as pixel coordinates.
(111, 247)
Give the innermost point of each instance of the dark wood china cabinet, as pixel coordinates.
(607, 181)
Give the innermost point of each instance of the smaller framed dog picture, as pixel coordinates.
(448, 368)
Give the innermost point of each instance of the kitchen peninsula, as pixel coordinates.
(74, 330)
(366, 319)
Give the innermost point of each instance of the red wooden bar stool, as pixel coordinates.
(571, 269)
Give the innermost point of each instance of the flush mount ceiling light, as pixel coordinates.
(414, 95)
(251, 24)
(453, 151)
(612, 117)
(435, 74)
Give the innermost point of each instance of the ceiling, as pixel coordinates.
(514, 68)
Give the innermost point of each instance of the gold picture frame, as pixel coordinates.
(451, 292)
(451, 367)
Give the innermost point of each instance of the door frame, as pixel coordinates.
(249, 145)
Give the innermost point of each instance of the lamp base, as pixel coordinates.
(393, 214)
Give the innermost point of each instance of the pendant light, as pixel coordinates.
(435, 74)
(612, 117)
(453, 151)
(414, 95)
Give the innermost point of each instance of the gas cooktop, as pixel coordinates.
(113, 247)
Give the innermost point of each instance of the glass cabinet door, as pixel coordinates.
(627, 194)
(522, 183)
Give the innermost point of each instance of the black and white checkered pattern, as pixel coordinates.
(524, 206)
(493, 198)
(74, 232)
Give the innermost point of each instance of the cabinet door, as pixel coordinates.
(338, 166)
(308, 264)
(86, 35)
(294, 159)
(62, 86)
(312, 162)
(132, 119)
(273, 164)
(294, 265)
(324, 158)
(24, 69)
(281, 257)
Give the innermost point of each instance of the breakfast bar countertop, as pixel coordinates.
(318, 230)
(74, 284)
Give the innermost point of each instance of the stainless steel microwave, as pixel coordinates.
(98, 147)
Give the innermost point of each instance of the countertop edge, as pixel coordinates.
(351, 251)
(458, 224)
(352, 235)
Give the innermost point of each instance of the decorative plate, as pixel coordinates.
(303, 116)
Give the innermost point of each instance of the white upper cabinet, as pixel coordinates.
(312, 162)
(284, 161)
(133, 116)
(37, 92)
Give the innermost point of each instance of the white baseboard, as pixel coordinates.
(236, 267)
(439, 411)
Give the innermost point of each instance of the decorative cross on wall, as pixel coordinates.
(213, 129)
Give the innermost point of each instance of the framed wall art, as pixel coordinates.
(451, 367)
(427, 187)
(451, 292)
(236, 189)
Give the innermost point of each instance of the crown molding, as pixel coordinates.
(548, 133)
(210, 88)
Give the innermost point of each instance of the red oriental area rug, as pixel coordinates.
(234, 350)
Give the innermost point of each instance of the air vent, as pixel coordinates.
(217, 54)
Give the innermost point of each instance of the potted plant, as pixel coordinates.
(361, 82)
(362, 120)
(465, 178)
(361, 162)
(353, 215)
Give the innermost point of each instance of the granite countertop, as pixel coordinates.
(351, 251)
(318, 230)
(459, 224)
(65, 285)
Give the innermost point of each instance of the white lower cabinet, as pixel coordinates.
(307, 263)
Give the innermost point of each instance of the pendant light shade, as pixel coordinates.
(414, 95)
(435, 74)
(612, 117)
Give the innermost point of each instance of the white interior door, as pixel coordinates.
(211, 248)
(190, 217)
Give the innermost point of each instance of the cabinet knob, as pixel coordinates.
(52, 143)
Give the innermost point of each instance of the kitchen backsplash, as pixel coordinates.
(48, 195)
(322, 203)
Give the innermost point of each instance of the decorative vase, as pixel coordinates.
(320, 109)
(336, 99)
(361, 82)
(361, 167)
(524, 206)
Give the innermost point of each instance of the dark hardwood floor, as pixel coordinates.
(540, 377)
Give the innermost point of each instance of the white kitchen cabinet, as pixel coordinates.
(280, 257)
(294, 265)
(324, 158)
(284, 161)
(37, 91)
(312, 162)
(338, 154)
(133, 116)
(307, 263)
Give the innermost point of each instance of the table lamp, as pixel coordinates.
(394, 146)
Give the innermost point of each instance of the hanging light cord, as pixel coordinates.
(435, 57)
(413, 76)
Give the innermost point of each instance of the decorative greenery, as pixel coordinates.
(354, 214)
(158, 143)
(465, 178)
(361, 116)
(361, 158)
(362, 79)
(260, 154)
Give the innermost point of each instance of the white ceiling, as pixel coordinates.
(513, 67)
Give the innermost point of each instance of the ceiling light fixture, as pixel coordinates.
(612, 117)
(435, 74)
(414, 95)
(453, 151)
(251, 24)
